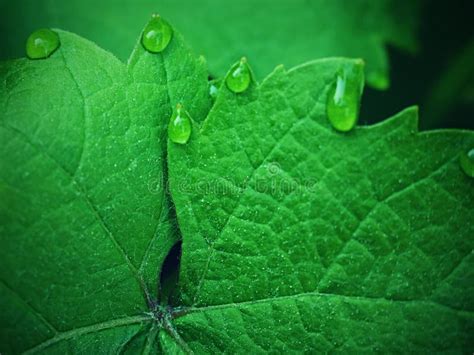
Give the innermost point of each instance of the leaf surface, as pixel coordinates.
(268, 32)
(85, 219)
(297, 237)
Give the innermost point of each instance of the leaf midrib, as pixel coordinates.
(361, 221)
(93, 210)
(237, 204)
(238, 305)
(114, 323)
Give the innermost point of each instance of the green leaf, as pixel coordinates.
(297, 237)
(85, 219)
(111, 24)
(268, 33)
(292, 32)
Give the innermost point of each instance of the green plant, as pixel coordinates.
(263, 31)
(295, 237)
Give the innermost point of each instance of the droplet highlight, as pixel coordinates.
(42, 43)
(466, 160)
(344, 100)
(213, 90)
(157, 34)
(179, 127)
(239, 77)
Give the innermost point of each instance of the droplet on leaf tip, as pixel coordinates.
(42, 43)
(239, 77)
(157, 34)
(179, 127)
(343, 101)
(466, 160)
(213, 91)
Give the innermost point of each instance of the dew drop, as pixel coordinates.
(213, 90)
(343, 101)
(467, 162)
(157, 34)
(239, 78)
(42, 43)
(179, 128)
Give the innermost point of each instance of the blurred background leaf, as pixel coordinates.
(113, 24)
(453, 88)
(436, 76)
(291, 32)
(445, 58)
(268, 32)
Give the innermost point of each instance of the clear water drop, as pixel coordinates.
(239, 77)
(343, 100)
(466, 161)
(42, 43)
(157, 34)
(179, 127)
(213, 90)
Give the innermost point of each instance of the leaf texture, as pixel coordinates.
(298, 238)
(295, 237)
(86, 222)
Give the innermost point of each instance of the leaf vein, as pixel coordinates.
(191, 310)
(237, 204)
(29, 306)
(380, 203)
(90, 205)
(115, 323)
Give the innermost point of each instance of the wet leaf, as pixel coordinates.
(295, 237)
(267, 32)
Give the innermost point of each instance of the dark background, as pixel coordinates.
(446, 53)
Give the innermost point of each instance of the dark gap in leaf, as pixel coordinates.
(170, 273)
(210, 77)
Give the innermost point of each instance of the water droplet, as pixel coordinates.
(343, 101)
(467, 162)
(239, 78)
(42, 43)
(213, 91)
(179, 128)
(157, 34)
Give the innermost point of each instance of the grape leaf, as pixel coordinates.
(85, 220)
(268, 32)
(297, 237)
